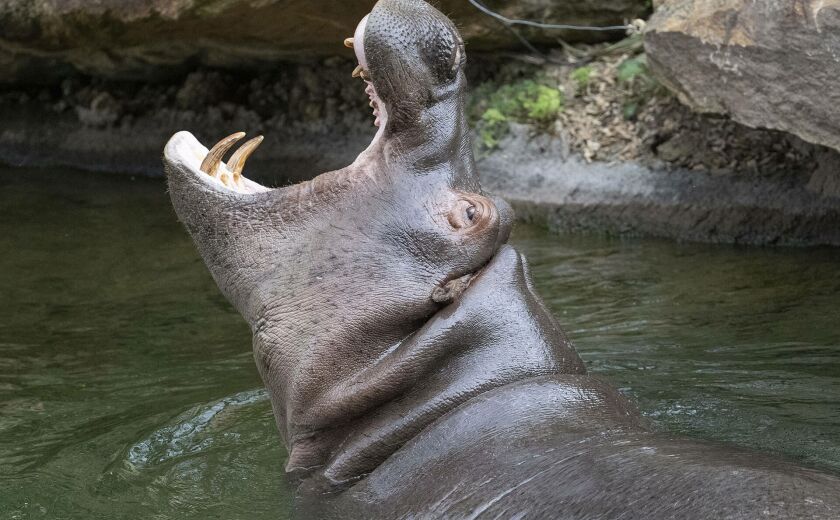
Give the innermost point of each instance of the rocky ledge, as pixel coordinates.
(765, 64)
(551, 187)
(608, 156)
(47, 40)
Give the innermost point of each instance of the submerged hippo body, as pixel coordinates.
(412, 369)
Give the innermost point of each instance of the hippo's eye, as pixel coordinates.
(471, 212)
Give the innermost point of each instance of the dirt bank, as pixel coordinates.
(588, 143)
(314, 117)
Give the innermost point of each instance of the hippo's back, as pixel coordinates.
(570, 447)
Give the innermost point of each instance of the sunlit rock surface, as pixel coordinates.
(137, 39)
(766, 64)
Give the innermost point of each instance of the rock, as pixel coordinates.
(103, 111)
(674, 148)
(41, 40)
(766, 64)
(825, 180)
(568, 194)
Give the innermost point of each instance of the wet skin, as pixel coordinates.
(412, 369)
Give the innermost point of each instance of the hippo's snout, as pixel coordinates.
(506, 215)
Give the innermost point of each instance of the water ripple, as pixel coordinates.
(193, 431)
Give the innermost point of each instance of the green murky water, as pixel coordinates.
(127, 387)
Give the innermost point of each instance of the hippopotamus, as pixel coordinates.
(412, 368)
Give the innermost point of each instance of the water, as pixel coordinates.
(128, 390)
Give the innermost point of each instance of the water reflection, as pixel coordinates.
(719, 342)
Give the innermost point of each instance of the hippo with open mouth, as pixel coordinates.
(412, 369)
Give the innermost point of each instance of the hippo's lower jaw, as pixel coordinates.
(207, 164)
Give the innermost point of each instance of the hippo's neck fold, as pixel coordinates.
(364, 416)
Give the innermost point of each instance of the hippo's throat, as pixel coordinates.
(356, 420)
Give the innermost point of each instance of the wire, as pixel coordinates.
(509, 22)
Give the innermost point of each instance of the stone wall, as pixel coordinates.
(766, 64)
(45, 40)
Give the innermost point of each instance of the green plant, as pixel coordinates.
(639, 84)
(632, 69)
(525, 101)
(581, 76)
(493, 128)
(630, 109)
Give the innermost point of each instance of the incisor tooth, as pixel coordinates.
(211, 163)
(357, 71)
(237, 161)
(348, 42)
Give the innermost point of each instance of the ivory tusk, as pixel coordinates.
(236, 163)
(211, 163)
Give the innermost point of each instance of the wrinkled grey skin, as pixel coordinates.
(405, 386)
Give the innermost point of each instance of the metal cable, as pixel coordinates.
(509, 22)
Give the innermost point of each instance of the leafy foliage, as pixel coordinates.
(634, 74)
(582, 76)
(633, 68)
(526, 101)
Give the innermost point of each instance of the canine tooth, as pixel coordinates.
(357, 71)
(348, 42)
(237, 161)
(211, 163)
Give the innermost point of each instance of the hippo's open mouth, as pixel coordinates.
(357, 43)
(208, 164)
(190, 155)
